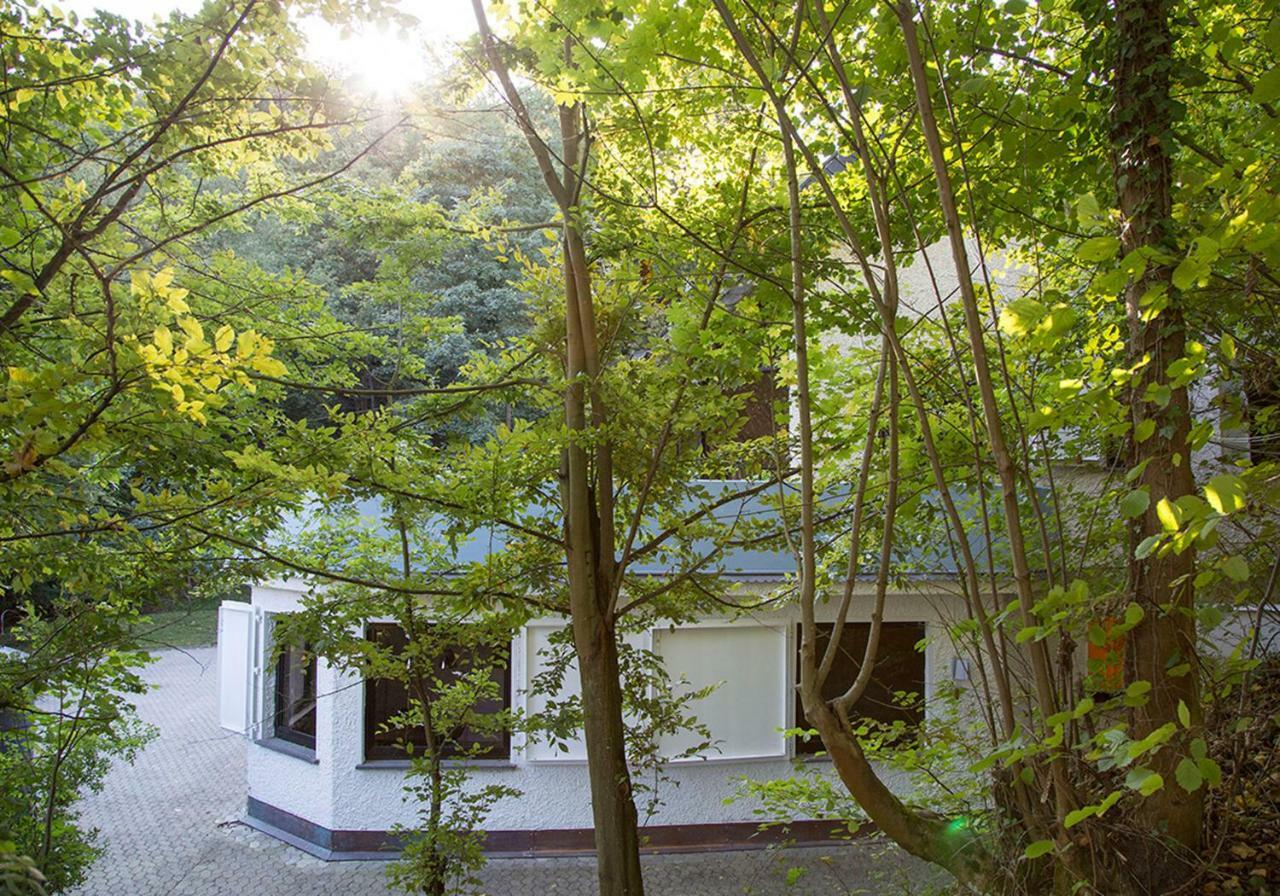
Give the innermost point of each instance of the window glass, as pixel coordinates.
(1262, 409)
(295, 717)
(385, 699)
(899, 668)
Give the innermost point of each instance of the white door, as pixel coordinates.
(237, 665)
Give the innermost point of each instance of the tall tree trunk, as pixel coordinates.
(587, 496)
(613, 808)
(1063, 795)
(1161, 649)
(589, 551)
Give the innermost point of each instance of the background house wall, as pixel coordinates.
(339, 790)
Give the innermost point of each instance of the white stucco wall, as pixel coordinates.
(336, 792)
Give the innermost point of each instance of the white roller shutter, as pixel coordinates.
(237, 666)
(539, 640)
(748, 709)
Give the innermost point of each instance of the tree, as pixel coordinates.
(442, 653)
(1161, 582)
(1014, 387)
(402, 236)
(73, 725)
(134, 361)
(600, 535)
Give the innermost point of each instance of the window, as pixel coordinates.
(1262, 398)
(295, 718)
(747, 664)
(899, 667)
(385, 699)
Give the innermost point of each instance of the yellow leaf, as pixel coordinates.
(223, 338)
(164, 340)
(246, 344)
(191, 327)
(269, 366)
(176, 302)
(1170, 516)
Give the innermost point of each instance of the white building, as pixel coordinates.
(322, 778)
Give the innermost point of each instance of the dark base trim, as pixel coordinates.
(664, 838)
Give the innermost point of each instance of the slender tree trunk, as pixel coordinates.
(587, 495)
(613, 807)
(950, 845)
(437, 870)
(617, 837)
(1162, 648)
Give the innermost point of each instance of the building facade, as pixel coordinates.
(319, 775)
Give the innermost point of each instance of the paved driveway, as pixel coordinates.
(170, 826)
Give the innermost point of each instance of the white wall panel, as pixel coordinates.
(747, 709)
(537, 644)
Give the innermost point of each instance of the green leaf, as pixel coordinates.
(1143, 780)
(1144, 430)
(1210, 771)
(1189, 272)
(1266, 87)
(1021, 316)
(1146, 546)
(1088, 212)
(1133, 614)
(1137, 689)
(1098, 248)
(1078, 815)
(1037, 849)
(1235, 568)
(1184, 714)
(1135, 503)
(1188, 775)
(1225, 493)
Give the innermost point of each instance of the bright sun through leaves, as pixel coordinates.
(381, 59)
(385, 60)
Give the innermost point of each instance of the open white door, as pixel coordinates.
(237, 663)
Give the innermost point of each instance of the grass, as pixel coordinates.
(192, 625)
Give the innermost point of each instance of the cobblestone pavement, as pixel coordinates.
(170, 826)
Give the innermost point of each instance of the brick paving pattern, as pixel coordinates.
(170, 826)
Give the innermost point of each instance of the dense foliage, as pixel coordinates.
(232, 296)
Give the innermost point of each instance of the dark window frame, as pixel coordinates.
(836, 684)
(375, 693)
(283, 726)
